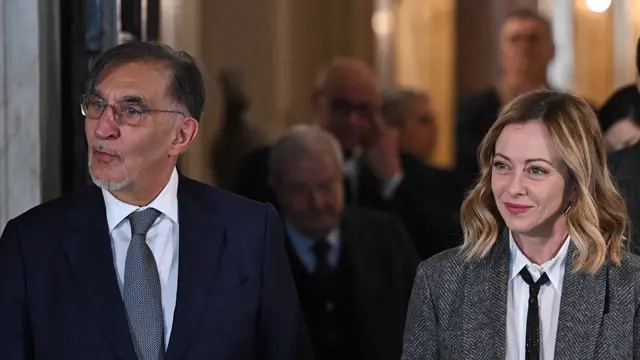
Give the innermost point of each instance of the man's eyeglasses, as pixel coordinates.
(125, 112)
(344, 107)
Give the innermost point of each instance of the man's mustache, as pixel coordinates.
(102, 148)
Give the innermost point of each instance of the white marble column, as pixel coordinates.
(626, 29)
(561, 70)
(383, 24)
(29, 105)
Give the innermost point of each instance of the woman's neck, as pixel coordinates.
(540, 249)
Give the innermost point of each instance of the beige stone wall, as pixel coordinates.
(593, 49)
(447, 47)
(425, 58)
(278, 44)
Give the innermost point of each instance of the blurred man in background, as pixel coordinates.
(377, 175)
(353, 267)
(526, 50)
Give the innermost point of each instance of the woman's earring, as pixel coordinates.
(568, 207)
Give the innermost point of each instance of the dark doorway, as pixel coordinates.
(87, 29)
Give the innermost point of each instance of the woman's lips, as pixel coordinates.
(516, 209)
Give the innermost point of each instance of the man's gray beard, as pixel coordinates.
(108, 185)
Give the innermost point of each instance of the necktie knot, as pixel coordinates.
(323, 269)
(141, 221)
(534, 286)
(321, 248)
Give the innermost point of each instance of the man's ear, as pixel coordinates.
(183, 135)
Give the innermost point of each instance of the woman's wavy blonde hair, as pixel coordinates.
(597, 219)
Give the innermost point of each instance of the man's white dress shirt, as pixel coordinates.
(162, 239)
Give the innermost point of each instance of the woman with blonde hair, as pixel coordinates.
(542, 273)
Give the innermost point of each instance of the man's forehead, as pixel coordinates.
(527, 25)
(355, 89)
(355, 93)
(349, 77)
(142, 80)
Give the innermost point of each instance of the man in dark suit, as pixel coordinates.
(353, 267)
(620, 115)
(377, 175)
(623, 163)
(149, 264)
(526, 50)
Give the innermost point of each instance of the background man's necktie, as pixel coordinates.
(141, 290)
(532, 348)
(323, 268)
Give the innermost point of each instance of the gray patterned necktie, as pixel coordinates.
(141, 290)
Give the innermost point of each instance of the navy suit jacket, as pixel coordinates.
(59, 297)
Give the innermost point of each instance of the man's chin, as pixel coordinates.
(111, 185)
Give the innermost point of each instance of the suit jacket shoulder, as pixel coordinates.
(448, 259)
(445, 270)
(623, 163)
(367, 218)
(628, 272)
(624, 102)
(87, 206)
(369, 226)
(234, 205)
(52, 213)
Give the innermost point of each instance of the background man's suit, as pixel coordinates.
(59, 298)
(623, 165)
(375, 272)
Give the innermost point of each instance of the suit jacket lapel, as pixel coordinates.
(89, 253)
(485, 303)
(202, 240)
(581, 311)
(358, 251)
(362, 256)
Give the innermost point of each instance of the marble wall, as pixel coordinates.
(29, 110)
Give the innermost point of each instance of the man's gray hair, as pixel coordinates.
(394, 103)
(300, 140)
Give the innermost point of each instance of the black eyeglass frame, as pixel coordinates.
(118, 113)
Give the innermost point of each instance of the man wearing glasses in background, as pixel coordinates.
(377, 175)
(149, 264)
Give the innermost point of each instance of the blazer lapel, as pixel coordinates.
(89, 253)
(202, 240)
(581, 310)
(363, 255)
(485, 304)
(358, 249)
